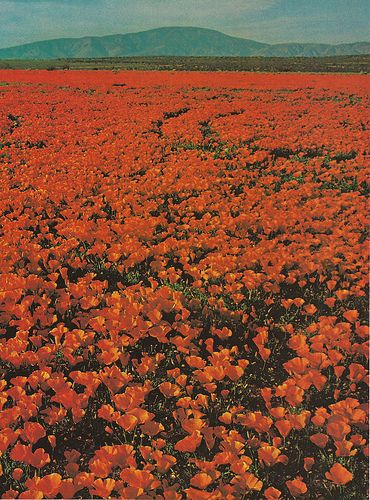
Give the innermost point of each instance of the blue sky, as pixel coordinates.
(271, 21)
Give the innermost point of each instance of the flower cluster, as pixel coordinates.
(183, 285)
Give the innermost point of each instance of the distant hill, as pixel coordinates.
(174, 41)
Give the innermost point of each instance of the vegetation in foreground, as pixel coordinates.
(183, 286)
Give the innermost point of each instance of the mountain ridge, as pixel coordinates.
(173, 41)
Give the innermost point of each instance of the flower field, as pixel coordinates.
(183, 285)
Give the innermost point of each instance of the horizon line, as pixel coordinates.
(177, 27)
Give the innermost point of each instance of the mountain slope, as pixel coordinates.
(315, 49)
(173, 41)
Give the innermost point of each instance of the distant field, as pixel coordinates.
(339, 64)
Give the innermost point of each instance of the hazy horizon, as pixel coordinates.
(268, 21)
(161, 27)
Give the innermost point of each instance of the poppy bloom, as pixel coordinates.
(17, 473)
(189, 443)
(32, 432)
(319, 439)
(296, 487)
(339, 474)
(269, 455)
(351, 315)
(201, 480)
(272, 493)
(284, 427)
(308, 463)
(139, 479)
(127, 422)
(102, 487)
(50, 484)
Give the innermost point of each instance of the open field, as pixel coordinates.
(183, 285)
(338, 64)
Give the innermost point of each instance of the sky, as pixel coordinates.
(269, 21)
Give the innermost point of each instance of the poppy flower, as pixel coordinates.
(11, 494)
(163, 461)
(189, 443)
(234, 372)
(268, 455)
(84, 479)
(34, 494)
(201, 480)
(247, 481)
(139, 479)
(272, 493)
(102, 487)
(71, 469)
(152, 428)
(20, 452)
(39, 458)
(17, 473)
(196, 494)
(67, 488)
(344, 449)
(319, 439)
(225, 418)
(100, 467)
(169, 390)
(296, 487)
(339, 474)
(32, 432)
(308, 463)
(351, 315)
(50, 484)
(338, 429)
(127, 422)
(192, 425)
(7, 437)
(357, 373)
(284, 427)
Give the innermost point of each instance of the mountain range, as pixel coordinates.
(174, 41)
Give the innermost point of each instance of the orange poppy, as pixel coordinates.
(32, 432)
(189, 443)
(339, 474)
(268, 455)
(102, 487)
(139, 479)
(272, 493)
(127, 422)
(296, 487)
(50, 484)
(351, 315)
(308, 463)
(201, 480)
(319, 439)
